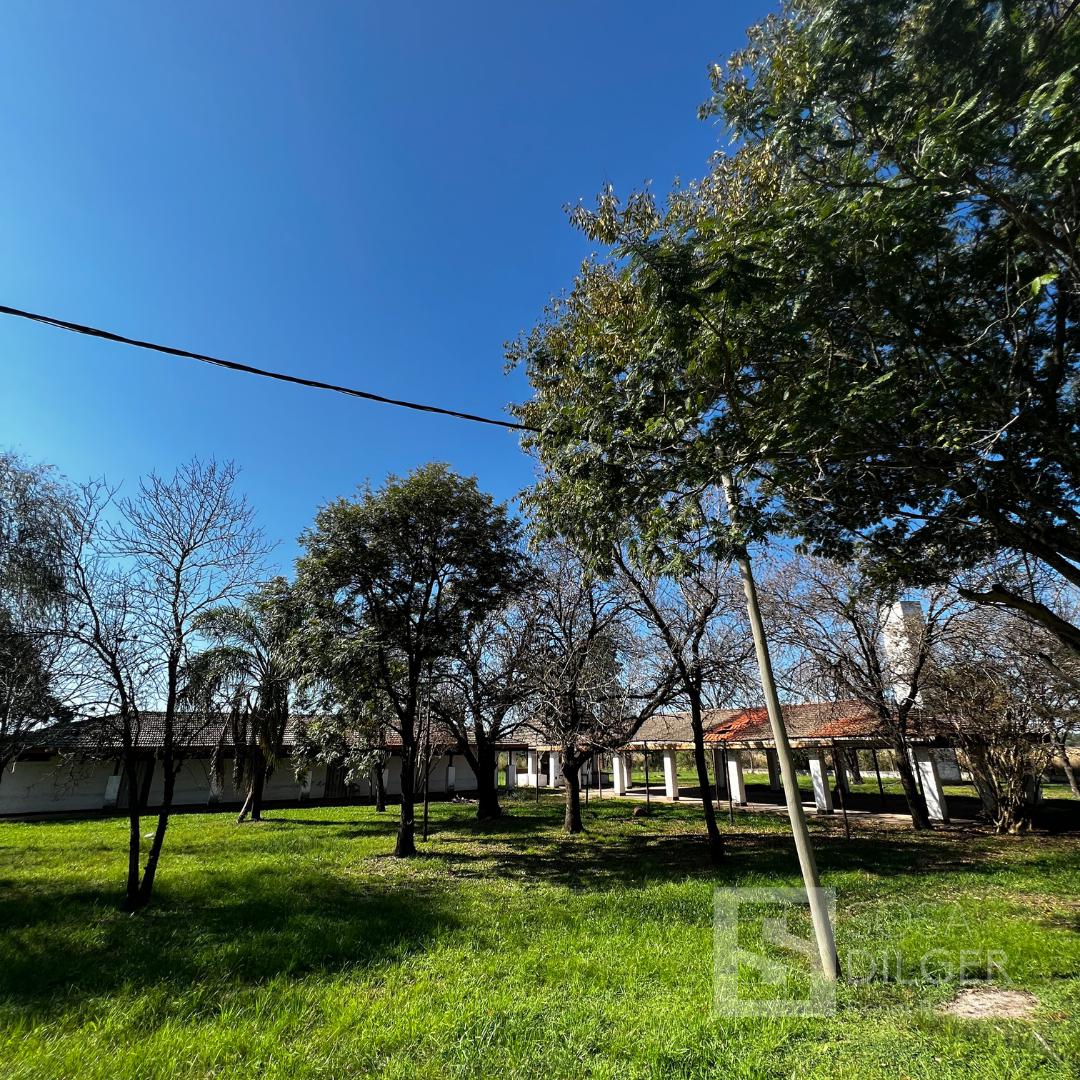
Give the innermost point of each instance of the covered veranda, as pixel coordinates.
(829, 739)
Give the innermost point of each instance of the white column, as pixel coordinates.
(451, 774)
(773, 763)
(735, 778)
(532, 758)
(819, 773)
(553, 769)
(671, 776)
(718, 768)
(511, 773)
(618, 774)
(933, 792)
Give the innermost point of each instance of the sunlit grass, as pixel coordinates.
(300, 948)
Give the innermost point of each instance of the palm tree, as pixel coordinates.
(247, 672)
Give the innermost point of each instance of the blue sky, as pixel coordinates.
(364, 193)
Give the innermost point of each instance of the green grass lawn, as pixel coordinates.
(300, 948)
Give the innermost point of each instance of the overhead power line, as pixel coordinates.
(233, 365)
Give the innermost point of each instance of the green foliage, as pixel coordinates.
(913, 367)
(397, 579)
(410, 568)
(867, 310)
(28, 690)
(248, 671)
(616, 376)
(35, 513)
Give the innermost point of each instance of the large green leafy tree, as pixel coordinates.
(867, 311)
(901, 266)
(411, 568)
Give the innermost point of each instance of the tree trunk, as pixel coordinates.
(170, 766)
(716, 843)
(146, 886)
(572, 817)
(487, 791)
(983, 780)
(131, 892)
(1070, 772)
(258, 784)
(854, 768)
(406, 837)
(427, 789)
(380, 788)
(246, 808)
(253, 799)
(1014, 809)
(920, 817)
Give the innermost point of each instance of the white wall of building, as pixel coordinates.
(54, 785)
(65, 785)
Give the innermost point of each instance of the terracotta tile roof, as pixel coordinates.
(819, 721)
(814, 720)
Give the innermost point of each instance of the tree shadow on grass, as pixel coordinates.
(240, 927)
(642, 861)
(670, 846)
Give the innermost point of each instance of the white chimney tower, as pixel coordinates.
(903, 630)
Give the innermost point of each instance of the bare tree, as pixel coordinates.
(143, 572)
(483, 690)
(1008, 706)
(698, 620)
(829, 621)
(1059, 683)
(594, 680)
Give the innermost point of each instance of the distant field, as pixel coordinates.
(298, 948)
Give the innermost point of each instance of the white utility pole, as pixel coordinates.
(819, 913)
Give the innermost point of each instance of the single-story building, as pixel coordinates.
(77, 768)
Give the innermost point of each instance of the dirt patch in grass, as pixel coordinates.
(990, 1004)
